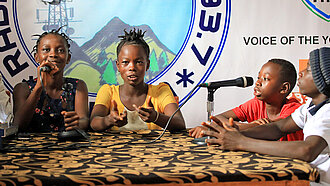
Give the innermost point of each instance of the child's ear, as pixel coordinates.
(148, 65)
(69, 58)
(36, 57)
(286, 86)
(117, 64)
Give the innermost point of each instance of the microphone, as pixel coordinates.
(239, 82)
(45, 69)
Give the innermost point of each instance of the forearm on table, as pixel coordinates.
(290, 149)
(244, 126)
(177, 123)
(98, 123)
(83, 123)
(266, 132)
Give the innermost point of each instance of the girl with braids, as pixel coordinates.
(134, 105)
(51, 102)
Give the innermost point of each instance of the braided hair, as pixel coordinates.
(133, 37)
(54, 32)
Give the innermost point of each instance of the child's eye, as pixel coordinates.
(45, 49)
(61, 50)
(140, 62)
(124, 62)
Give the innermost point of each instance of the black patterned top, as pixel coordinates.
(47, 116)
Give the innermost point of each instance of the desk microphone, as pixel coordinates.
(45, 69)
(239, 82)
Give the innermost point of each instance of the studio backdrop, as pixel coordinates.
(191, 41)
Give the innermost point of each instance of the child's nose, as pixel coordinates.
(131, 65)
(52, 53)
(258, 82)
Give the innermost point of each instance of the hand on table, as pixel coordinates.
(197, 131)
(71, 120)
(225, 134)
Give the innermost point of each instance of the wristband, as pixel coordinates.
(156, 117)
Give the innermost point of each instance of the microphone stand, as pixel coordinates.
(210, 103)
(210, 110)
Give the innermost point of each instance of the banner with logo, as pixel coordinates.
(191, 41)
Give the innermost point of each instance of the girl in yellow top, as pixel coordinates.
(134, 104)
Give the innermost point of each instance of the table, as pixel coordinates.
(124, 158)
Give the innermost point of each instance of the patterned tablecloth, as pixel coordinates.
(123, 158)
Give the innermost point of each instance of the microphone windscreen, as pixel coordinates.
(249, 81)
(45, 69)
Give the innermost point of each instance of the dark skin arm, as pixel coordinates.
(196, 132)
(149, 114)
(102, 118)
(25, 101)
(250, 140)
(242, 126)
(24, 104)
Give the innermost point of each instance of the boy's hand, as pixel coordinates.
(197, 131)
(147, 114)
(225, 134)
(115, 118)
(71, 120)
(262, 121)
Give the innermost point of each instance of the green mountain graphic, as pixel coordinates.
(94, 62)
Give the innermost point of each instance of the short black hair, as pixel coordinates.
(54, 32)
(133, 37)
(288, 72)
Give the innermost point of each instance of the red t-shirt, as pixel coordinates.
(255, 109)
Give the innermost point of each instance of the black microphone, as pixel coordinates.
(239, 82)
(45, 69)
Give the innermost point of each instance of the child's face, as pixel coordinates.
(306, 83)
(269, 82)
(132, 63)
(52, 48)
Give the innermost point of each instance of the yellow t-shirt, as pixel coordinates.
(161, 95)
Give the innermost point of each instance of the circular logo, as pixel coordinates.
(186, 38)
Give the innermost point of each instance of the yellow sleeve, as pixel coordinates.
(108, 93)
(161, 95)
(103, 96)
(165, 96)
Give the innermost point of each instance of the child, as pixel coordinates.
(41, 106)
(276, 80)
(129, 106)
(313, 117)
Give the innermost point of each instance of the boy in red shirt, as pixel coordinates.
(276, 80)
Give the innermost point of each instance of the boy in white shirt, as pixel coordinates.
(313, 118)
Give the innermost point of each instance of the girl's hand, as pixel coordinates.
(115, 118)
(45, 75)
(224, 134)
(147, 114)
(71, 120)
